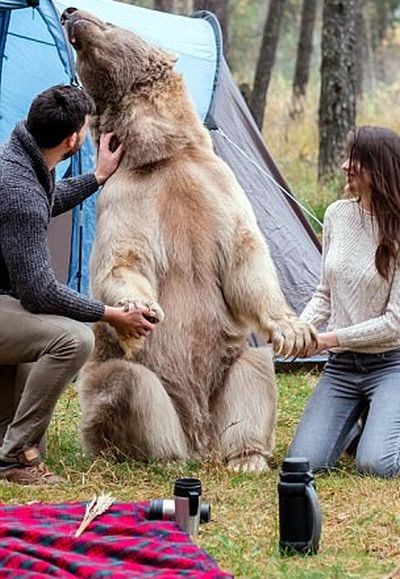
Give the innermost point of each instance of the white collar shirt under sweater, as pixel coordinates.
(356, 301)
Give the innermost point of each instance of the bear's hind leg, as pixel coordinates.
(244, 411)
(126, 412)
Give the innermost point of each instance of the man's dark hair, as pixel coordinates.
(57, 113)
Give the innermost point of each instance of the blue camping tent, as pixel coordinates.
(34, 55)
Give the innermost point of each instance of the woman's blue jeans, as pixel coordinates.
(352, 382)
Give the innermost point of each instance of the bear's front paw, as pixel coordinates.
(254, 462)
(291, 337)
(155, 313)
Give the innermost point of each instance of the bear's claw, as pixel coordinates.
(292, 337)
(155, 314)
(254, 462)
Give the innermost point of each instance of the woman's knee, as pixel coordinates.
(380, 465)
(318, 458)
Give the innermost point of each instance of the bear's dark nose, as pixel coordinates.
(66, 14)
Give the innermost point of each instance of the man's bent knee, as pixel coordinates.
(83, 338)
(76, 343)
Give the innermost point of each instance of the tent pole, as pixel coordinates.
(4, 22)
(292, 197)
(80, 238)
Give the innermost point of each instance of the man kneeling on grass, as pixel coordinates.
(43, 342)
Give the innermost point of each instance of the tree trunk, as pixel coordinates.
(370, 62)
(337, 109)
(360, 47)
(221, 10)
(164, 5)
(303, 60)
(380, 21)
(266, 60)
(183, 7)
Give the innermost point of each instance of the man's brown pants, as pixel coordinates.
(39, 355)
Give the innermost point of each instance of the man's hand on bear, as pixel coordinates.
(130, 322)
(154, 314)
(108, 159)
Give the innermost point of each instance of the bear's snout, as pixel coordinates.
(68, 22)
(67, 14)
(79, 26)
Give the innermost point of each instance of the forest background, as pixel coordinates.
(310, 70)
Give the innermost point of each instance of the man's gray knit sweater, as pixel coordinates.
(28, 198)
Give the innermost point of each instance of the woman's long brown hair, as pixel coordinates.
(377, 150)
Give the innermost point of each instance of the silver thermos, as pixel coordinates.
(187, 499)
(164, 509)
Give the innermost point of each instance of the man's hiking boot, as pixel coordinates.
(28, 470)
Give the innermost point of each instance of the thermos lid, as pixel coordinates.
(205, 513)
(156, 509)
(185, 486)
(296, 464)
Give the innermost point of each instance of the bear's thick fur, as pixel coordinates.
(174, 228)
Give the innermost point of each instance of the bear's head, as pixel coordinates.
(138, 95)
(112, 61)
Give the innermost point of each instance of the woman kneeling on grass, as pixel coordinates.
(359, 293)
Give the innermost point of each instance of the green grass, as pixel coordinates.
(361, 515)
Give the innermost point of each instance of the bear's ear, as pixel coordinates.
(172, 58)
(168, 59)
(158, 65)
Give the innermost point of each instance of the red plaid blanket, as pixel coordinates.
(38, 540)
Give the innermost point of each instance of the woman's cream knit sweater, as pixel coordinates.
(356, 301)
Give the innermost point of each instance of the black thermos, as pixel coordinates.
(299, 510)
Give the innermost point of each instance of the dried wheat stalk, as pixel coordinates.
(96, 507)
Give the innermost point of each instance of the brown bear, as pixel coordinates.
(176, 231)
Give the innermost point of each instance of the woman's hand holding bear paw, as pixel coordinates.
(291, 337)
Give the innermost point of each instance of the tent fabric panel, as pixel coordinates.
(191, 39)
(30, 65)
(296, 255)
(236, 105)
(60, 229)
(28, 44)
(13, 4)
(4, 22)
(51, 17)
(83, 225)
(215, 25)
